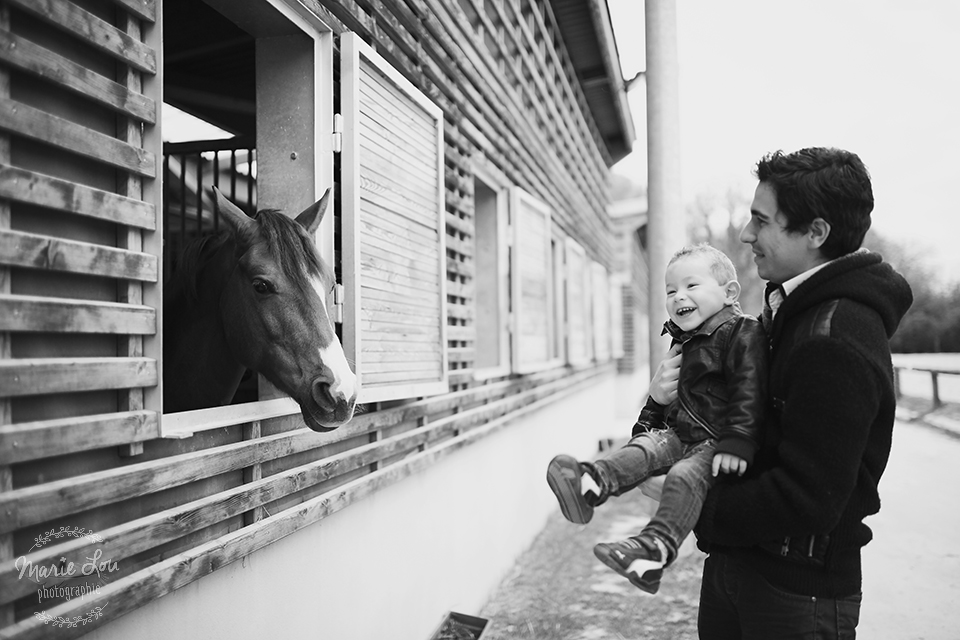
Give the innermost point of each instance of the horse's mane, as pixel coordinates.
(290, 244)
(191, 260)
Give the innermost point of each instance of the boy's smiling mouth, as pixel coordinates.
(683, 312)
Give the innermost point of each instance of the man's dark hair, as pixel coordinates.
(818, 182)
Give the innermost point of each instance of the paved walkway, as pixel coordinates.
(559, 591)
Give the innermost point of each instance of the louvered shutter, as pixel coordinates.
(532, 283)
(616, 315)
(579, 349)
(394, 258)
(601, 311)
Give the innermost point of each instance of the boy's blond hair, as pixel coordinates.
(721, 267)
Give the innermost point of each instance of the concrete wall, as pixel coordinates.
(392, 565)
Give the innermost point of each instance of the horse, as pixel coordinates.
(255, 297)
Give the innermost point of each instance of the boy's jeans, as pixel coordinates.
(689, 476)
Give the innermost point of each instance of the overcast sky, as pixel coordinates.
(878, 77)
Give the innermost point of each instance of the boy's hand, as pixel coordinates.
(663, 385)
(728, 463)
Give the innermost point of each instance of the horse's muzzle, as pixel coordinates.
(329, 406)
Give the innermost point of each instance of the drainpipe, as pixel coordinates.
(666, 226)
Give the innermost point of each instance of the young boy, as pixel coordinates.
(711, 427)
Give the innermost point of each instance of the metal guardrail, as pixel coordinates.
(934, 380)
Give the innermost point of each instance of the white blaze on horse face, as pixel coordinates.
(344, 380)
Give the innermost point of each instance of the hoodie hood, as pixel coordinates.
(862, 277)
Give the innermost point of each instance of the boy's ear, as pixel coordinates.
(732, 289)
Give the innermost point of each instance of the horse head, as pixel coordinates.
(275, 311)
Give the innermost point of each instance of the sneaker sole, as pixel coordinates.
(648, 582)
(563, 476)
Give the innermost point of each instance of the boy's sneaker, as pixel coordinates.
(564, 476)
(639, 559)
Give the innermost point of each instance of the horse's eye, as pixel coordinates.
(261, 286)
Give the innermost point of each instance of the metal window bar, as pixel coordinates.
(190, 168)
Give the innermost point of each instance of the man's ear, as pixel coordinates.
(732, 291)
(819, 232)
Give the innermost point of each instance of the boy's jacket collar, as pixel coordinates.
(708, 327)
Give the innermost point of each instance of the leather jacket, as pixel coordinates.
(722, 385)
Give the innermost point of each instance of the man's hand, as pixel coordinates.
(728, 463)
(663, 386)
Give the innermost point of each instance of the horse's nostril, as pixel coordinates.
(322, 394)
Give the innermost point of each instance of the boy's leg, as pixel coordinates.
(641, 558)
(684, 491)
(643, 456)
(580, 486)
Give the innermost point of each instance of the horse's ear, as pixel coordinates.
(310, 217)
(236, 220)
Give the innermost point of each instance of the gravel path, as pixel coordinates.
(560, 591)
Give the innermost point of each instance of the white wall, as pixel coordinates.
(392, 565)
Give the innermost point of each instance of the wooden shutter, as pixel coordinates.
(600, 288)
(532, 283)
(616, 315)
(394, 257)
(579, 347)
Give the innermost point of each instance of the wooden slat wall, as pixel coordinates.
(183, 508)
(7, 553)
(73, 266)
(108, 134)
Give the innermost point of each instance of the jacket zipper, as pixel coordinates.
(696, 418)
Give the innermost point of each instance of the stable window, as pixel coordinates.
(394, 229)
(491, 281)
(533, 312)
(277, 98)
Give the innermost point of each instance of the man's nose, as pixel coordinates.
(746, 235)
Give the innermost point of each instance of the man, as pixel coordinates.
(784, 541)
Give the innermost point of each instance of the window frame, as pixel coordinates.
(185, 424)
(494, 180)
